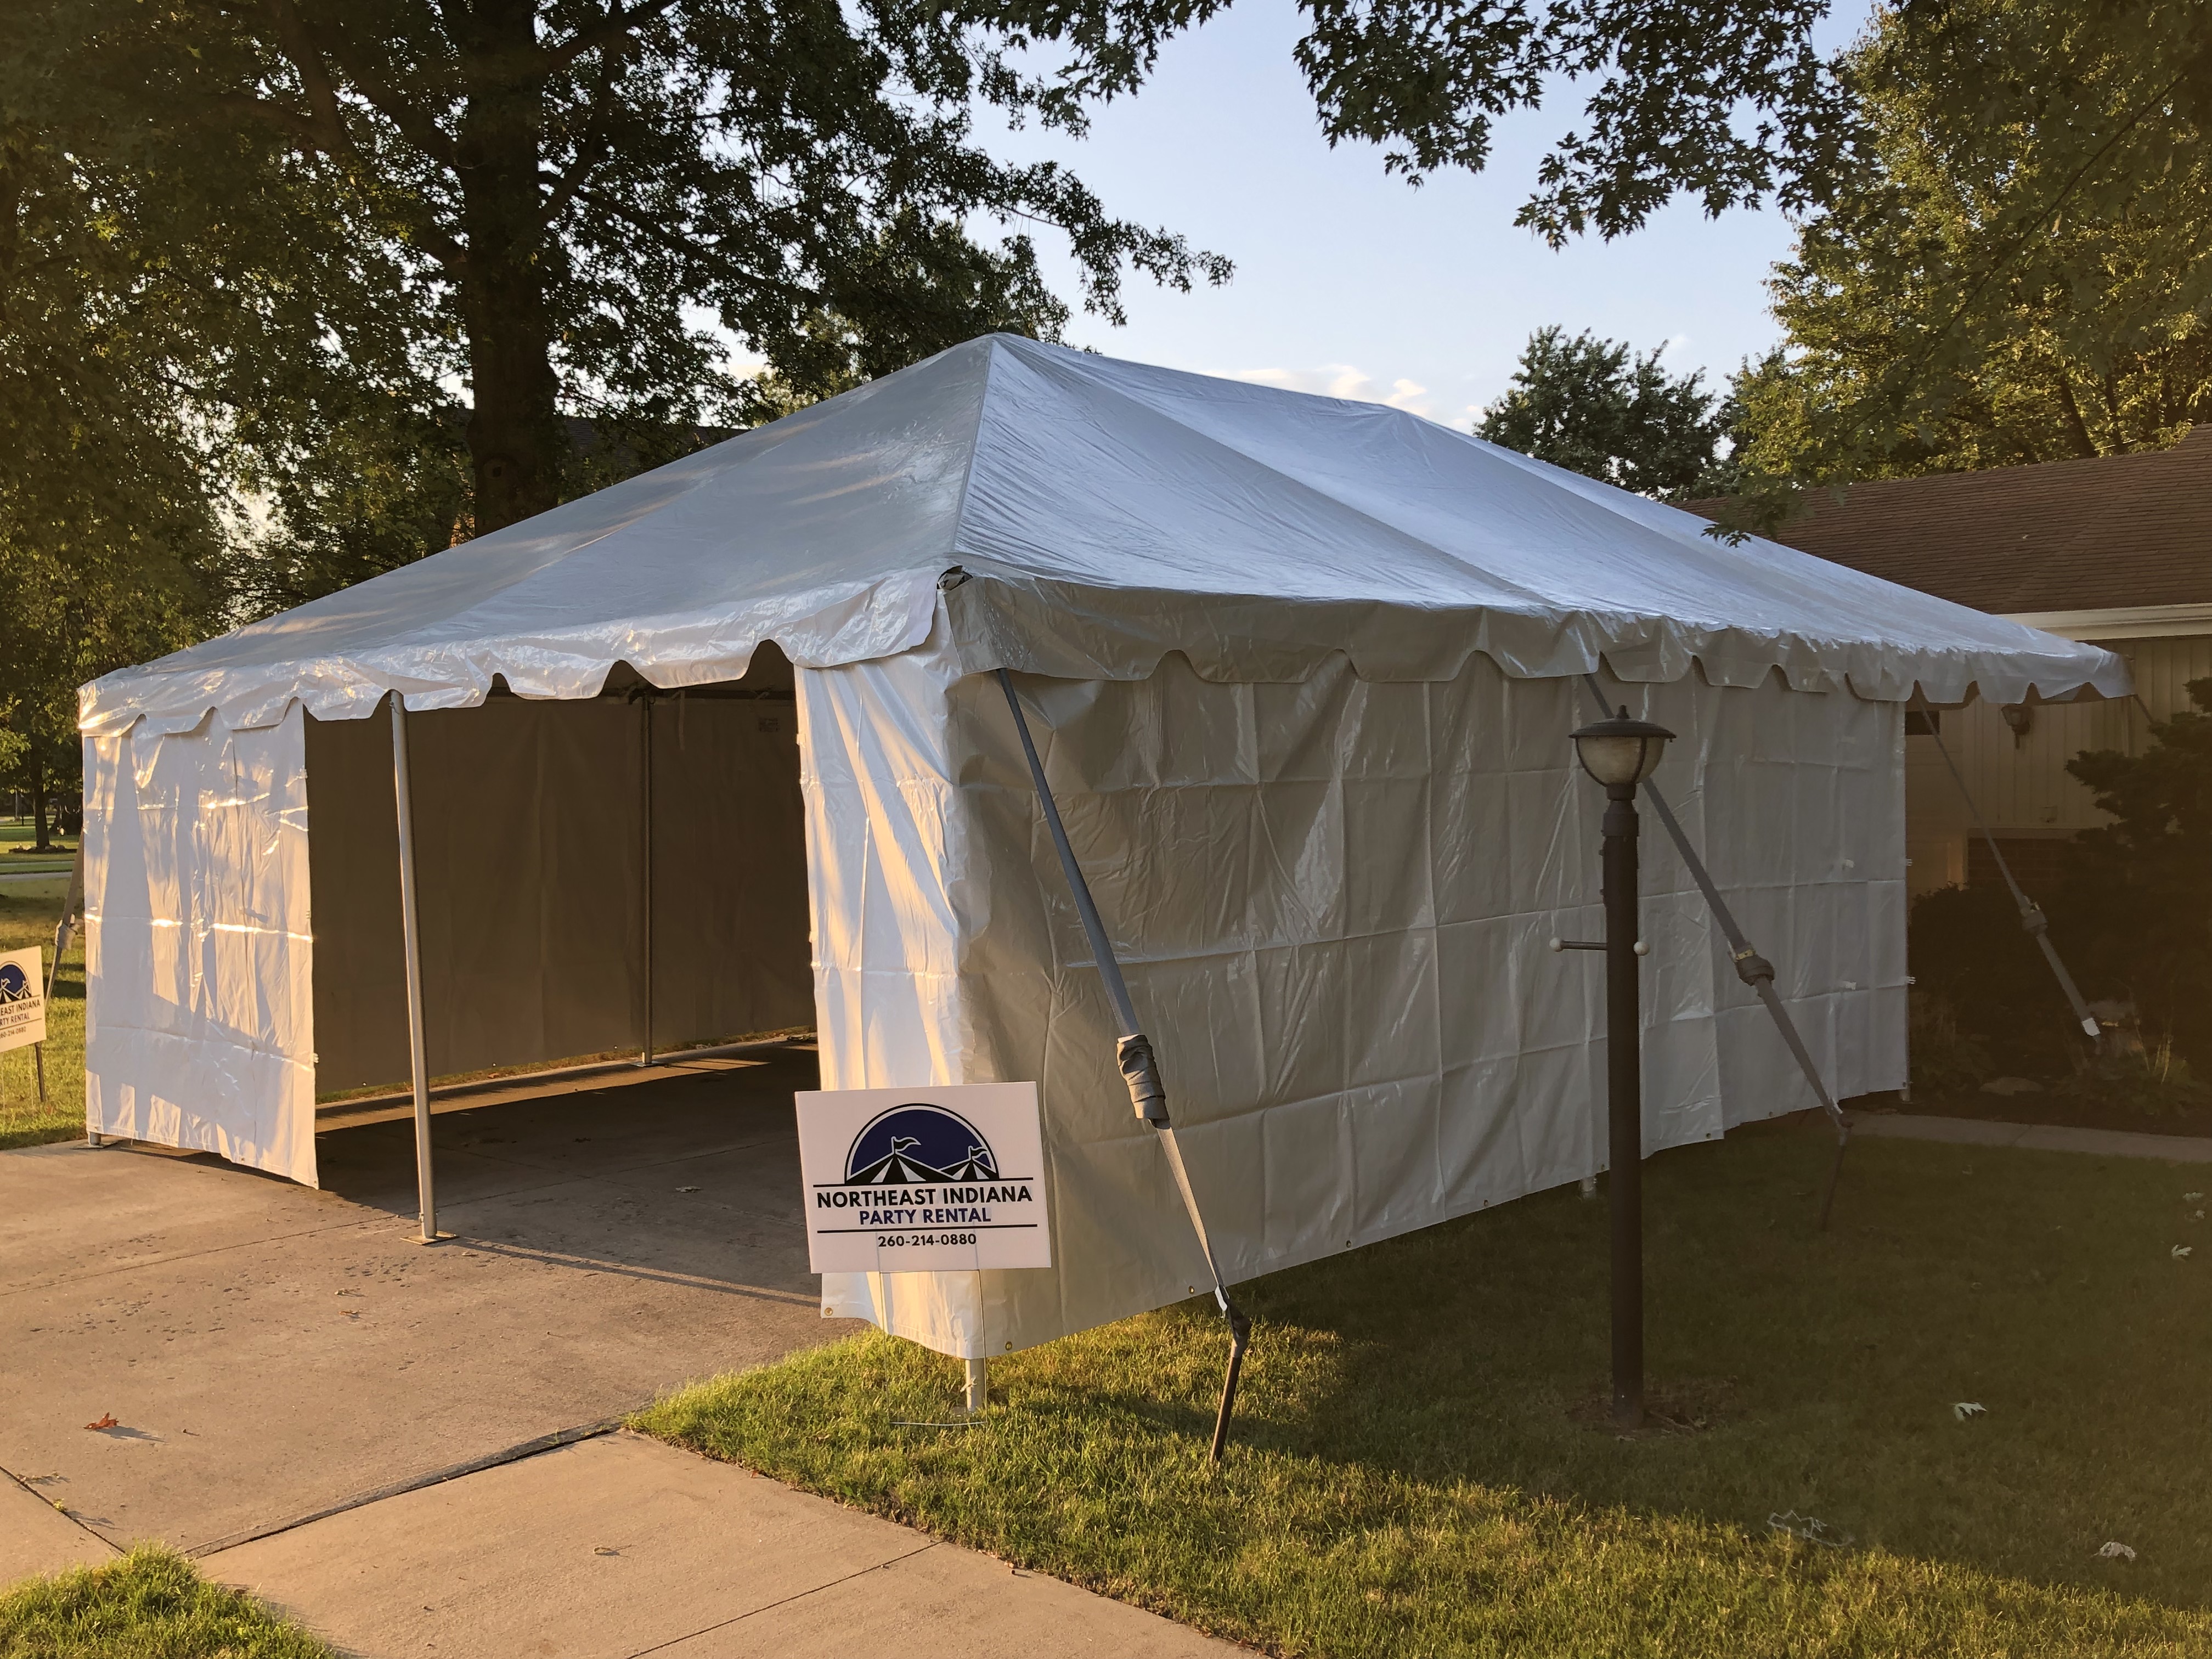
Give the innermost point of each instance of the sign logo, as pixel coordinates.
(924, 1180)
(916, 1143)
(22, 1001)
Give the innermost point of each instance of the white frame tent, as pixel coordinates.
(1301, 673)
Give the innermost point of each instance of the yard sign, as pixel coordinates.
(22, 1000)
(923, 1181)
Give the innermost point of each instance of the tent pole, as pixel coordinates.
(979, 1385)
(2031, 919)
(1753, 968)
(1133, 1054)
(425, 1184)
(645, 874)
(63, 930)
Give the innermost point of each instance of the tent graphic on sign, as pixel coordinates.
(916, 1144)
(15, 984)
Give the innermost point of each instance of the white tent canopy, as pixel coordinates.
(1097, 502)
(1301, 668)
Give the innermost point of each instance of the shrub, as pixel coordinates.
(1944, 1062)
(2139, 891)
(2150, 1081)
(1982, 980)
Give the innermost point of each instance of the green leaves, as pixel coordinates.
(1727, 100)
(2020, 273)
(571, 206)
(107, 526)
(1594, 407)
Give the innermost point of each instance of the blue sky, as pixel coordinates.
(1350, 282)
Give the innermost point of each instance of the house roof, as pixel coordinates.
(1101, 514)
(2108, 532)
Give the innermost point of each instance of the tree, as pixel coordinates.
(566, 180)
(106, 526)
(1596, 407)
(561, 187)
(564, 186)
(538, 205)
(1729, 100)
(156, 311)
(2020, 273)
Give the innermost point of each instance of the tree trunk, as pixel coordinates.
(516, 440)
(41, 841)
(2084, 445)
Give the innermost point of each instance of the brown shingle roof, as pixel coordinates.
(2087, 535)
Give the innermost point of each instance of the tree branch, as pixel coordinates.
(417, 125)
(323, 130)
(592, 146)
(654, 231)
(301, 126)
(611, 27)
(314, 80)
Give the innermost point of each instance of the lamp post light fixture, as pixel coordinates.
(1621, 753)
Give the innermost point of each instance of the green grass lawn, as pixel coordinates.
(152, 1604)
(1417, 1468)
(28, 911)
(18, 843)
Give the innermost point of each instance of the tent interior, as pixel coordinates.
(623, 873)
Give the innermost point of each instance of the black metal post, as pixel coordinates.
(1624, 1104)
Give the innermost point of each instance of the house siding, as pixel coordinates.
(2020, 783)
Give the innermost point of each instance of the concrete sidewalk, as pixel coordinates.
(37, 1538)
(620, 1547)
(2033, 1137)
(268, 1351)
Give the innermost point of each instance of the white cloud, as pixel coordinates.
(1347, 380)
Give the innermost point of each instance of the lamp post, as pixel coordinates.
(1621, 753)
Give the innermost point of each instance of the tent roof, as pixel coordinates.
(1107, 513)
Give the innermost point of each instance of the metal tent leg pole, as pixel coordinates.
(1240, 1338)
(979, 1385)
(425, 1182)
(1134, 1054)
(39, 1049)
(1753, 968)
(644, 878)
(1835, 1176)
(64, 931)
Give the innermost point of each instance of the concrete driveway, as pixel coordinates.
(269, 1353)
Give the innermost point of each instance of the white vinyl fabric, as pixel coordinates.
(200, 1020)
(1333, 900)
(1111, 514)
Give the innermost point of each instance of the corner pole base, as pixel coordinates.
(979, 1385)
(419, 1237)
